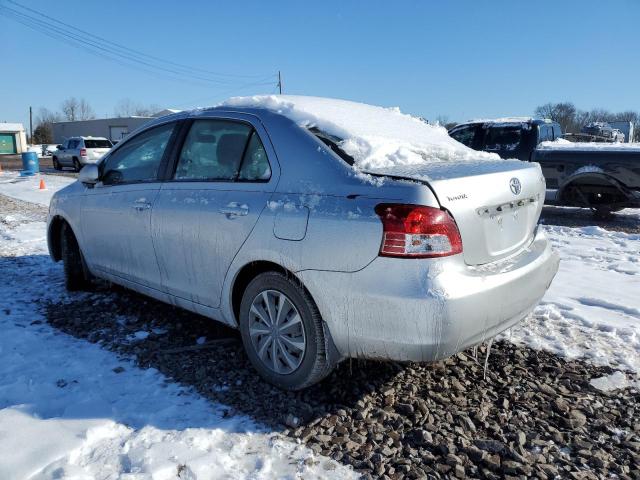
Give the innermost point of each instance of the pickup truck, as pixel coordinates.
(604, 177)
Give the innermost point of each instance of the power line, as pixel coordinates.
(118, 53)
(129, 50)
(98, 48)
(87, 48)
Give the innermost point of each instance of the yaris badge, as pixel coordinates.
(515, 186)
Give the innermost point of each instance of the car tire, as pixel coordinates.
(76, 276)
(272, 294)
(56, 164)
(77, 166)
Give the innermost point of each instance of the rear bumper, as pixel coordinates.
(426, 310)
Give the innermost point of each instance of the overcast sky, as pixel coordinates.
(462, 59)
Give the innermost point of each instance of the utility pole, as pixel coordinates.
(31, 125)
(280, 82)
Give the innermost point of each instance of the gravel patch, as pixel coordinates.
(14, 211)
(535, 414)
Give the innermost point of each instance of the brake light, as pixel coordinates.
(416, 231)
(83, 152)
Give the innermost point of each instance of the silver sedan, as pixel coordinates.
(246, 217)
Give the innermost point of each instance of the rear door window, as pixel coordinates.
(502, 138)
(222, 150)
(465, 135)
(255, 165)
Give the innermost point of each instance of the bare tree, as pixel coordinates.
(70, 109)
(85, 112)
(545, 111)
(127, 108)
(74, 109)
(43, 132)
(600, 115)
(572, 120)
(563, 113)
(47, 116)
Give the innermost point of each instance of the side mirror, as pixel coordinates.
(89, 174)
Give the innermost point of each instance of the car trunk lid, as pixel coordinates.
(496, 204)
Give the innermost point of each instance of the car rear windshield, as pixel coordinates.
(333, 143)
(97, 144)
(502, 138)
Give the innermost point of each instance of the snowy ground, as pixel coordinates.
(592, 309)
(70, 409)
(28, 188)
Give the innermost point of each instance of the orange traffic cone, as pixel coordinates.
(42, 185)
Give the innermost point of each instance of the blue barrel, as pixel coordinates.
(30, 163)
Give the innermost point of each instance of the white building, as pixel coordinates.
(13, 138)
(115, 129)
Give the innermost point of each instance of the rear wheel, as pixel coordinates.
(76, 165)
(56, 164)
(75, 273)
(282, 332)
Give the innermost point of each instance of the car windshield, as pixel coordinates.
(333, 143)
(97, 144)
(502, 138)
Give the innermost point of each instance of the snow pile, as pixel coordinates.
(590, 146)
(376, 137)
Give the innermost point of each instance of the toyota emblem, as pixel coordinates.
(514, 185)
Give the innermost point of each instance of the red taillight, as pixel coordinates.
(83, 152)
(416, 231)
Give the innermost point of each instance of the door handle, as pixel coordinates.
(234, 209)
(141, 206)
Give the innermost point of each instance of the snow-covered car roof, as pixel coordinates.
(376, 137)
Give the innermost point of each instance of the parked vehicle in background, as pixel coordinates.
(258, 214)
(626, 127)
(603, 130)
(604, 177)
(77, 152)
(50, 149)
